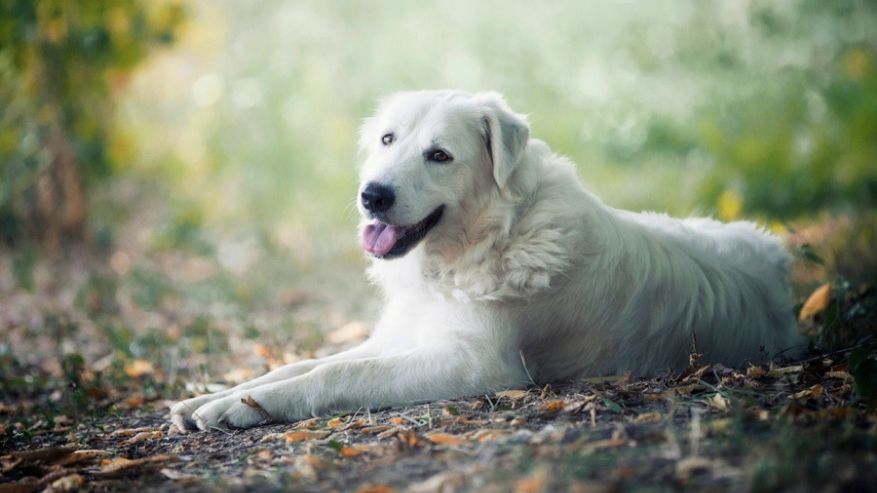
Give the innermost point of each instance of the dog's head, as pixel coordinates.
(432, 157)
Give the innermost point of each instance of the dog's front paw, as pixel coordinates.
(235, 411)
(181, 412)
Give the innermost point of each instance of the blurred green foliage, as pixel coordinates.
(62, 64)
(758, 108)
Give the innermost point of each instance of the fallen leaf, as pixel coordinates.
(813, 393)
(755, 372)
(846, 377)
(374, 430)
(250, 402)
(534, 483)
(304, 435)
(355, 331)
(553, 406)
(397, 420)
(444, 439)
(143, 436)
(719, 402)
(71, 482)
(139, 368)
(613, 442)
(81, 456)
(238, 375)
(308, 423)
(352, 451)
(488, 435)
(612, 406)
(512, 394)
(335, 422)
(121, 465)
(130, 431)
(374, 488)
(816, 303)
(786, 370)
(176, 475)
(652, 417)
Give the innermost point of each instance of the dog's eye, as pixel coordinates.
(388, 139)
(438, 156)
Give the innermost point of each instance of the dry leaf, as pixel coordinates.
(143, 436)
(304, 435)
(846, 377)
(352, 451)
(786, 370)
(534, 483)
(652, 417)
(374, 488)
(139, 368)
(176, 475)
(397, 420)
(814, 393)
(129, 431)
(755, 372)
(250, 402)
(719, 402)
(553, 406)
(816, 303)
(488, 435)
(353, 332)
(121, 465)
(71, 482)
(309, 423)
(512, 394)
(374, 430)
(335, 423)
(81, 456)
(238, 375)
(444, 439)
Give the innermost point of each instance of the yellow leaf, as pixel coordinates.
(335, 423)
(444, 439)
(730, 205)
(139, 368)
(304, 435)
(816, 303)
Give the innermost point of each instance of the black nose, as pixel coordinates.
(377, 198)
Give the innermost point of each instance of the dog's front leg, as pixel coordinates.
(181, 412)
(417, 375)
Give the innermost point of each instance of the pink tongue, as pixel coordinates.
(379, 238)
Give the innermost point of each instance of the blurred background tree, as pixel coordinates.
(62, 65)
(243, 135)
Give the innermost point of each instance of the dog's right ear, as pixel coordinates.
(505, 134)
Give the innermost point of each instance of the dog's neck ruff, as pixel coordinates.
(498, 257)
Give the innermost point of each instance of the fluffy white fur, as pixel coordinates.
(527, 274)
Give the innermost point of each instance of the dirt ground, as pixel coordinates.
(95, 349)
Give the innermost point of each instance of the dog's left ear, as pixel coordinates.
(505, 135)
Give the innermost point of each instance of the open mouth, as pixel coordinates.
(389, 241)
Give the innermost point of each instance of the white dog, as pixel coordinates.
(501, 270)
